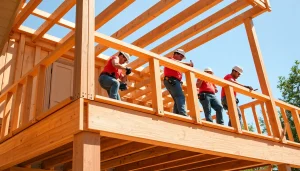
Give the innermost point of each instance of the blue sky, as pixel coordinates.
(278, 34)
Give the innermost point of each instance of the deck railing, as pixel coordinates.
(153, 99)
(17, 98)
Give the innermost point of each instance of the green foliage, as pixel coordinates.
(290, 87)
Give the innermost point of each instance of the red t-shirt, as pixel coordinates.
(168, 72)
(207, 87)
(227, 77)
(109, 68)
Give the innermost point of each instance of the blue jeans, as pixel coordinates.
(178, 97)
(111, 85)
(224, 103)
(210, 101)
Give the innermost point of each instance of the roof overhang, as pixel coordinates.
(9, 10)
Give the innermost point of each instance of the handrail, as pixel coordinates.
(283, 108)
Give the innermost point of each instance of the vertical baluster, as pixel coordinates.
(296, 119)
(157, 103)
(6, 115)
(15, 111)
(192, 100)
(256, 119)
(232, 109)
(244, 119)
(266, 119)
(40, 89)
(25, 109)
(287, 124)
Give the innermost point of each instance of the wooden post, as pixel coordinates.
(244, 119)
(266, 119)
(287, 124)
(40, 91)
(15, 111)
(19, 58)
(155, 81)
(284, 167)
(296, 119)
(232, 108)
(256, 119)
(84, 65)
(192, 100)
(86, 152)
(263, 79)
(6, 115)
(26, 99)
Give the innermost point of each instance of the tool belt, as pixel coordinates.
(172, 80)
(202, 95)
(113, 75)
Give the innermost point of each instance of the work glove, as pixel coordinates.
(123, 86)
(128, 70)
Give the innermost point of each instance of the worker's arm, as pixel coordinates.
(249, 87)
(191, 64)
(116, 64)
(123, 78)
(216, 90)
(199, 83)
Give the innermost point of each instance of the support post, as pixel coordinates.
(155, 81)
(263, 79)
(40, 91)
(192, 100)
(284, 167)
(26, 99)
(86, 152)
(232, 109)
(84, 83)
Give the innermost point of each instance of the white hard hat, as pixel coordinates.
(238, 69)
(126, 55)
(182, 52)
(208, 69)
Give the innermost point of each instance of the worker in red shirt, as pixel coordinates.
(112, 72)
(172, 81)
(209, 100)
(235, 74)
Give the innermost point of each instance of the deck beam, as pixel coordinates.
(147, 128)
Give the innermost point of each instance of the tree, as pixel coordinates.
(290, 87)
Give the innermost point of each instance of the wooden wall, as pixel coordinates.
(19, 55)
(17, 58)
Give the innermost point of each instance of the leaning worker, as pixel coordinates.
(172, 81)
(112, 72)
(209, 100)
(235, 74)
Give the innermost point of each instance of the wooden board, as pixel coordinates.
(147, 128)
(50, 133)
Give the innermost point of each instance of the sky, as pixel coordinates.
(278, 35)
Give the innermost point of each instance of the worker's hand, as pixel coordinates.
(249, 87)
(191, 63)
(216, 90)
(128, 70)
(123, 86)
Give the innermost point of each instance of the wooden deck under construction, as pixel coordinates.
(55, 116)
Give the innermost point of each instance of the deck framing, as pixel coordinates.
(98, 129)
